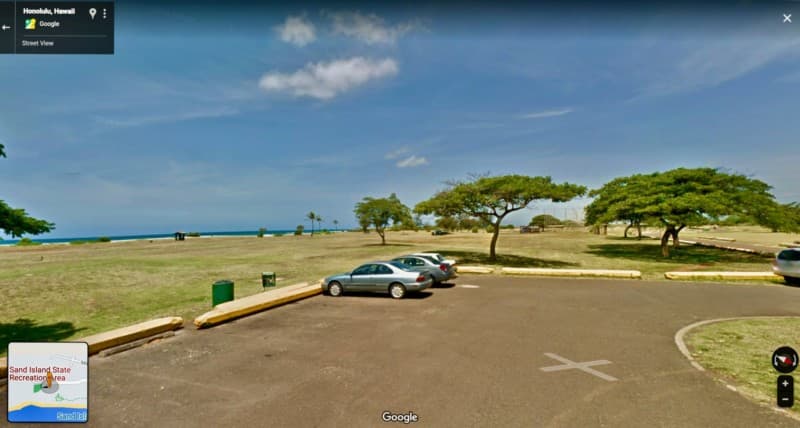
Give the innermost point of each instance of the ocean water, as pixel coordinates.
(34, 413)
(145, 237)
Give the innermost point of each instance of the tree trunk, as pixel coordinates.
(639, 231)
(676, 243)
(665, 241)
(382, 233)
(605, 229)
(495, 235)
(625, 235)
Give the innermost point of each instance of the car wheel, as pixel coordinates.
(791, 280)
(397, 290)
(335, 289)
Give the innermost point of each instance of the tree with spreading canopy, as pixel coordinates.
(679, 198)
(491, 199)
(544, 220)
(612, 202)
(779, 218)
(381, 213)
(16, 221)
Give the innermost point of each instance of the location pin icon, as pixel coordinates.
(92, 12)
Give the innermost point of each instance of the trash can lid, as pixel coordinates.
(223, 281)
(267, 273)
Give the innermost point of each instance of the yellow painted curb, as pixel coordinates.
(722, 275)
(120, 336)
(597, 273)
(258, 302)
(474, 269)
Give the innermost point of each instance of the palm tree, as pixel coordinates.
(319, 222)
(336, 225)
(311, 216)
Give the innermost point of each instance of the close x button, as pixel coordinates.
(785, 391)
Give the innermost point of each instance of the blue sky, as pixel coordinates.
(244, 119)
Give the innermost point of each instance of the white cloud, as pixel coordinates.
(394, 154)
(546, 113)
(297, 30)
(166, 118)
(325, 80)
(716, 62)
(412, 161)
(370, 29)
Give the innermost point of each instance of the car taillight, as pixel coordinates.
(421, 278)
(443, 267)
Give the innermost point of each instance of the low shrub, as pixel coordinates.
(25, 242)
(103, 239)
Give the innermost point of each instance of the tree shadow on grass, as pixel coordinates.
(508, 260)
(688, 254)
(25, 330)
(387, 245)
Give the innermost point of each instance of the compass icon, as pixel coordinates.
(784, 359)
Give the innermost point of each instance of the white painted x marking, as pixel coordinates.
(585, 367)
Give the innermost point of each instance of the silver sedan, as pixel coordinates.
(394, 278)
(441, 271)
(787, 264)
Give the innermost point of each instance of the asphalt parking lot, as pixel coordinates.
(455, 357)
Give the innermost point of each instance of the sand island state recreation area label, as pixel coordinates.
(48, 382)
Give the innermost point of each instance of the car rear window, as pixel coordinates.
(431, 259)
(791, 255)
(401, 266)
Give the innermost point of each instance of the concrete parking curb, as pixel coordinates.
(120, 336)
(256, 303)
(593, 273)
(723, 275)
(474, 269)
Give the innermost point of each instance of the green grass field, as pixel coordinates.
(57, 292)
(740, 352)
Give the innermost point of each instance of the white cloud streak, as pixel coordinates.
(166, 118)
(717, 62)
(325, 80)
(370, 29)
(546, 113)
(297, 30)
(394, 154)
(412, 161)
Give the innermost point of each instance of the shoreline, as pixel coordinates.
(159, 238)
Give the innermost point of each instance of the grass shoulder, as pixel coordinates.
(739, 353)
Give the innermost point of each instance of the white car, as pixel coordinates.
(436, 258)
(787, 264)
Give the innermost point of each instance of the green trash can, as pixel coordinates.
(221, 292)
(268, 279)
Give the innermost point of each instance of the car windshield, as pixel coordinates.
(401, 266)
(791, 255)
